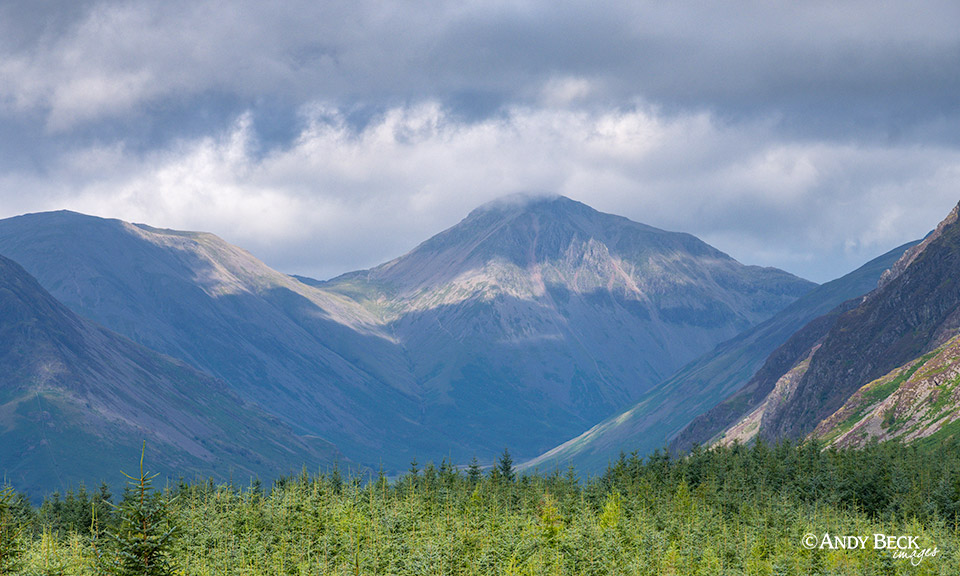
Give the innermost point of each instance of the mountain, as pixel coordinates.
(662, 413)
(77, 400)
(314, 359)
(877, 342)
(534, 317)
(519, 326)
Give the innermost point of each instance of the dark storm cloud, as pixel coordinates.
(888, 67)
(332, 135)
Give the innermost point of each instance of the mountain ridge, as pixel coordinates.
(914, 311)
(453, 348)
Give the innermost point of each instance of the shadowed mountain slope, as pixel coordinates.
(313, 359)
(911, 314)
(76, 401)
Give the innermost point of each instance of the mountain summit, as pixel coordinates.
(556, 242)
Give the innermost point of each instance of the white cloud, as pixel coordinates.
(338, 198)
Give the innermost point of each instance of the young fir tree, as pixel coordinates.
(9, 535)
(336, 479)
(140, 544)
(505, 466)
(474, 473)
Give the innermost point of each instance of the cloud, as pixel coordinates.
(327, 136)
(339, 197)
(830, 68)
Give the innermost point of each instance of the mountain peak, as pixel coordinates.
(910, 255)
(522, 201)
(527, 231)
(543, 205)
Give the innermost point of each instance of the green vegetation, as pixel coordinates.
(944, 398)
(733, 510)
(140, 541)
(878, 391)
(10, 532)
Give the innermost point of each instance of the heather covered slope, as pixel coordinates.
(77, 401)
(700, 385)
(919, 401)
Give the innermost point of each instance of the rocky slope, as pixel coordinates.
(77, 401)
(917, 401)
(914, 311)
(659, 415)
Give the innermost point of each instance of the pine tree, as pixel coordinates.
(474, 473)
(382, 482)
(336, 479)
(9, 535)
(505, 466)
(140, 544)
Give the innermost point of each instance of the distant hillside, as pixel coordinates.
(313, 359)
(659, 415)
(77, 401)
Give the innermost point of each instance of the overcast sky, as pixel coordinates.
(327, 136)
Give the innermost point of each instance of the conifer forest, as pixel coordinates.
(762, 509)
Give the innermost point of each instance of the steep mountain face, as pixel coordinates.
(914, 311)
(542, 314)
(910, 315)
(76, 401)
(657, 418)
(517, 327)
